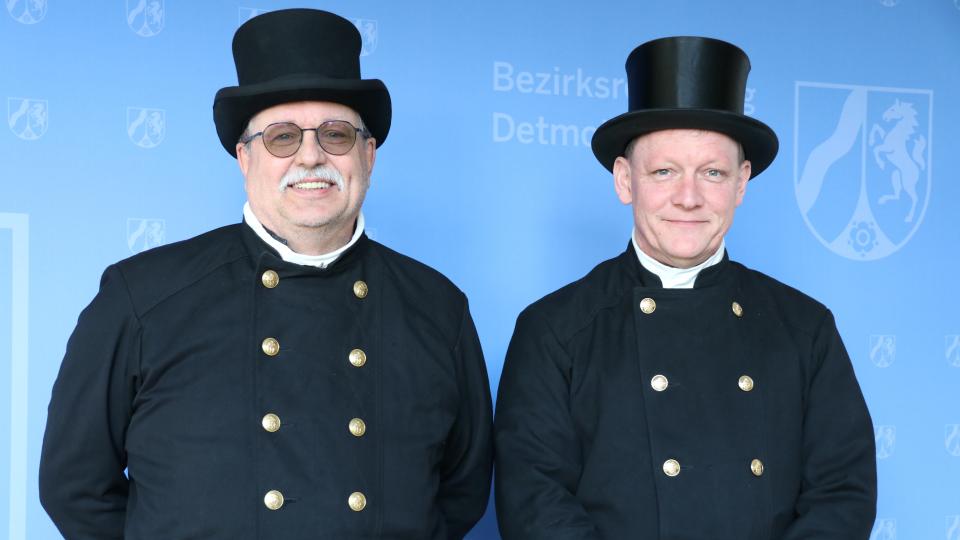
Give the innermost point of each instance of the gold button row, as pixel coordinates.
(660, 383)
(671, 467)
(271, 279)
(273, 500)
(271, 347)
(649, 305)
(271, 424)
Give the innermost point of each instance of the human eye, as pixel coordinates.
(661, 174)
(334, 134)
(714, 175)
(282, 134)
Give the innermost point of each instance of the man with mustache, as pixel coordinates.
(286, 377)
(672, 393)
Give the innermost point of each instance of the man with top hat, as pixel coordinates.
(672, 393)
(286, 377)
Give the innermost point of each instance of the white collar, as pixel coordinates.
(289, 255)
(675, 278)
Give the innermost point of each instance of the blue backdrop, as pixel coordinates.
(487, 175)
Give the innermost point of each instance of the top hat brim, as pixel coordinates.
(759, 142)
(234, 106)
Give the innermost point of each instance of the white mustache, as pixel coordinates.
(321, 173)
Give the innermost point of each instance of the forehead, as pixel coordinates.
(305, 113)
(682, 142)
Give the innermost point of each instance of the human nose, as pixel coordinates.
(687, 193)
(310, 153)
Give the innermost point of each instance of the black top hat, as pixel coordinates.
(298, 55)
(687, 83)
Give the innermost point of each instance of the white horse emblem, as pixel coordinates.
(862, 169)
(893, 149)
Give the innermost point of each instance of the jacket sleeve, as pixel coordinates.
(838, 497)
(82, 483)
(538, 455)
(467, 460)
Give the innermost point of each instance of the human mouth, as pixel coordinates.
(319, 184)
(686, 222)
(318, 178)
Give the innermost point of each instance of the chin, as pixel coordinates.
(691, 257)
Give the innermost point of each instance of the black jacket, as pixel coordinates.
(170, 376)
(725, 412)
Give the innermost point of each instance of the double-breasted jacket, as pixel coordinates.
(729, 411)
(212, 390)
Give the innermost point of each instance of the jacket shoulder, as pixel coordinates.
(794, 307)
(414, 274)
(574, 306)
(429, 299)
(158, 273)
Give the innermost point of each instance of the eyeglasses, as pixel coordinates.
(283, 139)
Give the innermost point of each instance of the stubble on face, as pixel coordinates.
(683, 186)
(311, 199)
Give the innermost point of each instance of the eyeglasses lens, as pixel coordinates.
(336, 137)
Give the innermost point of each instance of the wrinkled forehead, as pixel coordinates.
(680, 141)
(305, 113)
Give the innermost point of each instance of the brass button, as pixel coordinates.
(270, 346)
(648, 306)
(756, 467)
(360, 289)
(273, 499)
(737, 309)
(659, 383)
(357, 501)
(358, 427)
(270, 279)
(358, 358)
(270, 422)
(745, 383)
(671, 467)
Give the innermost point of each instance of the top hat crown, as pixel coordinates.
(298, 55)
(687, 83)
